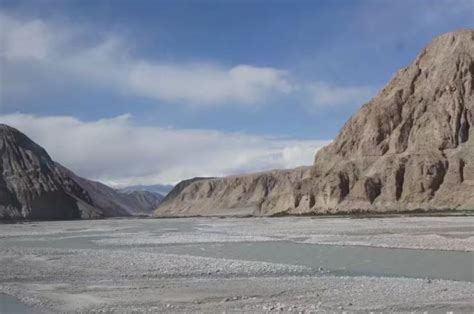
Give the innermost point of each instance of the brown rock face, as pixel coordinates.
(411, 147)
(217, 196)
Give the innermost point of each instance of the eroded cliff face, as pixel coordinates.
(411, 147)
(238, 195)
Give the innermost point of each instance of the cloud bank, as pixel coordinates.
(117, 152)
(38, 55)
(108, 62)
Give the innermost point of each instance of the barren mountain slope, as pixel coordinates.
(411, 147)
(113, 202)
(215, 196)
(33, 186)
(146, 201)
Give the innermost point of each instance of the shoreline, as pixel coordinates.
(362, 215)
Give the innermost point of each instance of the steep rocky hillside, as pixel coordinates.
(215, 196)
(33, 186)
(411, 147)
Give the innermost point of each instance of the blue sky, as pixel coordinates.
(267, 78)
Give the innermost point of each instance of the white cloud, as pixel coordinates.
(325, 95)
(117, 152)
(24, 40)
(37, 56)
(207, 84)
(60, 50)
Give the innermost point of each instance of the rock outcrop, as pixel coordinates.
(33, 186)
(411, 147)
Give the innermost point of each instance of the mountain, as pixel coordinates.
(113, 202)
(33, 186)
(146, 200)
(161, 189)
(216, 196)
(411, 147)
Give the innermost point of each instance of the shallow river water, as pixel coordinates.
(10, 304)
(425, 248)
(334, 259)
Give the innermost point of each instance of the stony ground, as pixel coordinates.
(125, 265)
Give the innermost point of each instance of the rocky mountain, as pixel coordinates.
(146, 200)
(410, 147)
(181, 186)
(216, 196)
(113, 202)
(33, 186)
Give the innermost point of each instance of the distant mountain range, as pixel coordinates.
(33, 186)
(162, 189)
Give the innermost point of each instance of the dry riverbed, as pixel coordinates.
(289, 264)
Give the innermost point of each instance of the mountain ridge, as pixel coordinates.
(33, 186)
(161, 189)
(410, 147)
